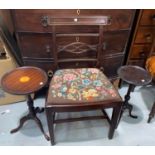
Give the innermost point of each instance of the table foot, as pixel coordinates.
(39, 110)
(133, 116)
(21, 123)
(28, 117)
(130, 107)
(31, 115)
(41, 127)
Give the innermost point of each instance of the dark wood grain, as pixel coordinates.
(12, 83)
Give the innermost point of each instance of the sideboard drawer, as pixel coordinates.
(140, 51)
(36, 46)
(144, 35)
(148, 17)
(33, 20)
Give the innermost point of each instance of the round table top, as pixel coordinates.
(134, 75)
(24, 80)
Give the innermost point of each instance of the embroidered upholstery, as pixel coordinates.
(81, 85)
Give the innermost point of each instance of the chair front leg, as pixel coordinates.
(114, 120)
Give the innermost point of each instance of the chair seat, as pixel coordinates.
(83, 85)
(82, 89)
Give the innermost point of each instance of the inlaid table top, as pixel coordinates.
(134, 75)
(24, 80)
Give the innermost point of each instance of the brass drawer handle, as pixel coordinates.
(102, 69)
(142, 54)
(148, 37)
(153, 17)
(109, 20)
(44, 21)
(50, 21)
(77, 64)
(78, 12)
(77, 39)
(50, 73)
(47, 48)
(104, 46)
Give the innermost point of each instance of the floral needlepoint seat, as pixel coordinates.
(81, 85)
(81, 89)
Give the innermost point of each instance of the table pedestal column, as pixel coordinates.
(126, 104)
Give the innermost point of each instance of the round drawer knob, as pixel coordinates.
(142, 54)
(50, 73)
(47, 48)
(148, 37)
(44, 21)
(77, 64)
(75, 19)
(102, 69)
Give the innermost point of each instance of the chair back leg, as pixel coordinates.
(152, 113)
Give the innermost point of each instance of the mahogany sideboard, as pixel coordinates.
(45, 36)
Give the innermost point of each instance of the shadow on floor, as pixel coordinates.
(30, 125)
